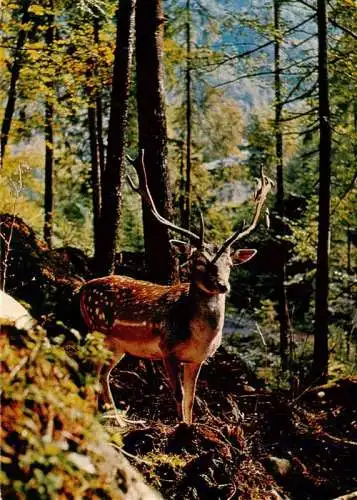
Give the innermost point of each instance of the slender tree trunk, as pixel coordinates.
(113, 174)
(96, 167)
(283, 311)
(100, 134)
(278, 112)
(188, 116)
(320, 361)
(349, 247)
(99, 111)
(182, 198)
(15, 74)
(152, 133)
(49, 148)
(95, 173)
(48, 226)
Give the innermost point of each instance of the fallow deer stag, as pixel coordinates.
(178, 324)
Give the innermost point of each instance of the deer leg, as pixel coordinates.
(105, 379)
(172, 367)
(107, 395)
(190, 376)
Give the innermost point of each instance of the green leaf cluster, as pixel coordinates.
(50, 438)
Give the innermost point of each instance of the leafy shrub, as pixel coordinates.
(50, 438)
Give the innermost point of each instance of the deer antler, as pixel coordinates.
(144, 191)
(264, 186)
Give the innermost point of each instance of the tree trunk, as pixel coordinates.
(188, 117)
(95, 173)
(100, 135)
(99, 111)
(320, 361)
(15, 74)
(95, 137)
(152, 133)
(49, 149)
(113, 174)
(182, 185)
(283, 311)
(48, 226)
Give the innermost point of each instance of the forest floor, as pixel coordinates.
(247, 441)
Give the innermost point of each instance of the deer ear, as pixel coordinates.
(242, 255)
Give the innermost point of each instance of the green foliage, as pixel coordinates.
(93, 350)
(131, 236)
(220, 126)
(20, 186)
(50, 442)
(158, 465)
(260, 138)
(343, 354)
(267, 317)
(63, 74)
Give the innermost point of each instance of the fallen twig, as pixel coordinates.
(140, 460)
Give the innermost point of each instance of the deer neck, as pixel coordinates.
(208, 307)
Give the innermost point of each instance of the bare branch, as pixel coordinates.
(306, 94)
(299, 83)
(296, 116)
(248, 75)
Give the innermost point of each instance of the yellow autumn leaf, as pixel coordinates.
(38, 10)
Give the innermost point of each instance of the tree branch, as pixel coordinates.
(306, 94)
(260, 47)
(331, 20)
(242, 77)
(296, 116)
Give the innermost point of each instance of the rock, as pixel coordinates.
(128, 479)
(13, 311)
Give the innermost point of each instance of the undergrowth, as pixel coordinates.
(50, 438)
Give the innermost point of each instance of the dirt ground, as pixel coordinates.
(246, 442)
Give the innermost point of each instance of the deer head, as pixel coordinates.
(212, 275)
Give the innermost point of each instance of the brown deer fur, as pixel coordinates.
(177, 324)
